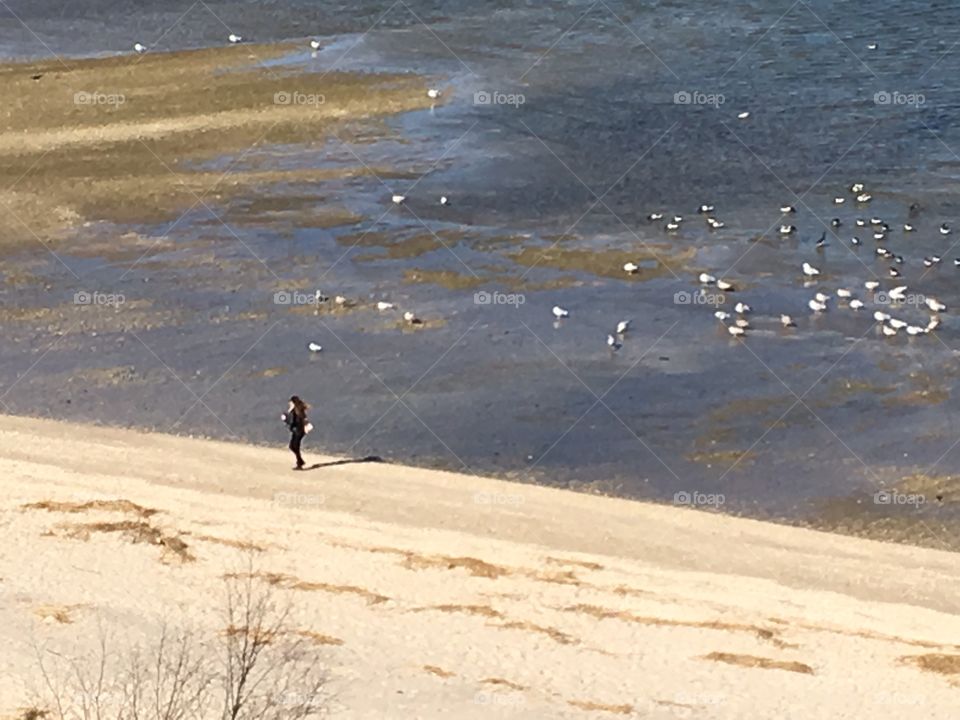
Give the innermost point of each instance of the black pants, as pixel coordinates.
(295, 437)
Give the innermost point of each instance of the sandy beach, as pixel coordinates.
(436, 595)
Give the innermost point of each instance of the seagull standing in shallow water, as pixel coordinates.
(314, 348)
(809, 270)
(139, 48)
(622, 327)
(235, 38)
(559, 312)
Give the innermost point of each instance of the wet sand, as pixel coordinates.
(123, 138)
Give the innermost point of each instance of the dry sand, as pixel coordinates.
(436, 595)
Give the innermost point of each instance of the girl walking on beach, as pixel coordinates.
(296, 419)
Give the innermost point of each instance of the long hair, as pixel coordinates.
(299, 406)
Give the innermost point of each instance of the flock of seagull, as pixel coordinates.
(232, 38)
(889, 325)
(737, 322)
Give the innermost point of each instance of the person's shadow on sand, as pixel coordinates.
(348, 461)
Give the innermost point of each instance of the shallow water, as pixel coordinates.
(776, 423)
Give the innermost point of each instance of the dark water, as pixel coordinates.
(775, 423)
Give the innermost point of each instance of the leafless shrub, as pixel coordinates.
(259, 667)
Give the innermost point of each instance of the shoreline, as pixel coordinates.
(577, 584)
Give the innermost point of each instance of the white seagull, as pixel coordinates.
(898, 293)
(433, 93)
(935, 304)
(944, 229)
(721, 315)
(864, 197)
(888, 331)
(896, 323)
(411, 318)
(787, 321)
(742, 308)
(139, 48)
(707, 279)
(559, 312)
(612, 342)
(315, 44)
(856, 188)
(235, 38)
(398, 199)
(742, 323)
(743, 116)
(381, 306)
(444, 200)
(787, 229)
(880, 316)
(623, 326)
(856, 304)
(871, 284)
(736, 331)
(914, 330)
(314, 348)
(817, 306)
(809, 270)
(630, 267)
(844, 293)
(724, 285)
(787, 209)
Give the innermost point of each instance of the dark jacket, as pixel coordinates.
(295, 421)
